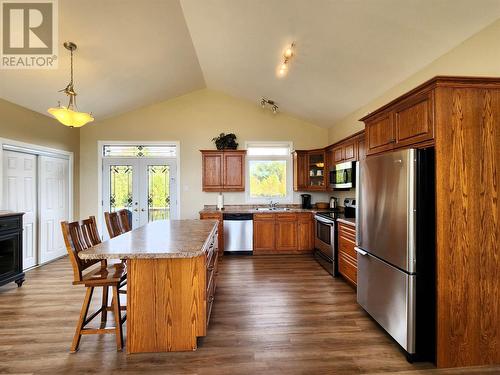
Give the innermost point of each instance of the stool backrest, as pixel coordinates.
(90, 232)
(125, 220)
(113, 224)
(75, 242)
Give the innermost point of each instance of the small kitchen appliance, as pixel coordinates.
(306, 200)
(350, 207)
(333, 203)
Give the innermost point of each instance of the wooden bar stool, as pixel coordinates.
(78, 238)
(125, 220)
(113, 224)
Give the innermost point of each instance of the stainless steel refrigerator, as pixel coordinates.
(395, 231)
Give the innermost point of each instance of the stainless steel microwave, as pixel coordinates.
(343, 175)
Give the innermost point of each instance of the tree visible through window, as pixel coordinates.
(268, 168)
(267, 179)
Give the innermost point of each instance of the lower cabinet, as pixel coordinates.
(220, 229)
(281, 233)
(347, 258)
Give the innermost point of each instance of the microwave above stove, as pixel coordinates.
(343, 175)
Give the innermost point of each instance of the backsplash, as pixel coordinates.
(342, 194)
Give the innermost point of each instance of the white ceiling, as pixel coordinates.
(130, 53)
(133, 53)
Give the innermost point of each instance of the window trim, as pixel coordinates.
(289, 170)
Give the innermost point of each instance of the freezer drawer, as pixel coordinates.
(388, 295)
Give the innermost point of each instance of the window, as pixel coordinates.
(139, 151)
(269, 172)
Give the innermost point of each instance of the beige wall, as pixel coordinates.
(477, 56)
(21, 124)
(193, 120)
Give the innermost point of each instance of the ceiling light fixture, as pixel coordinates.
(69, 115)
(264, 102)
(288, 54)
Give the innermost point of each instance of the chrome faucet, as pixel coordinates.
(273, 205)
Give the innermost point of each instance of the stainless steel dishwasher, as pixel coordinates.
(238, 233)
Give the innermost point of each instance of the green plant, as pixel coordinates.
(225, 141)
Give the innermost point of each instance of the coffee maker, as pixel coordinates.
(306, 200)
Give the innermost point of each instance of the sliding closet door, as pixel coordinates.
(20, 195)
(54, 206)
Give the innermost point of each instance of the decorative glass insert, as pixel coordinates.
(268, 178)
(158, 192)
(134, 151)
(120, 187)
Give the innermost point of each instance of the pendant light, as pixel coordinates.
(69, 115)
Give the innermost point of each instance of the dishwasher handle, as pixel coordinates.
(237, 217)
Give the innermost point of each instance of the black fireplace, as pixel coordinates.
(11, 248)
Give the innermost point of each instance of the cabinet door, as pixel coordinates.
(414, 120)
(305, 232)
(212, 171)
(351, 151)
(380, 134)
(263, 232)
(338, 155)
(234, 171)
(361, 149)
(220, 228)
(286, 232)
(316, 171)
(300, 180)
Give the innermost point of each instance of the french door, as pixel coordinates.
(145, 186)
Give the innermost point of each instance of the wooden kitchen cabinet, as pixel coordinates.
(263, 233)
(223, 170)
(406, 123)
(220, 228)
(347, 257)
(300, 180)
(286, 232)
(305, 231)
(309, 170)
(283, 233)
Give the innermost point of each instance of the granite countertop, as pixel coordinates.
(9, 213)
(252, 209)
(347, 220)
(158, 239)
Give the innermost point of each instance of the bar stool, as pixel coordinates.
(80, 237)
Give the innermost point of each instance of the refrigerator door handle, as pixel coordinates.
(360, 251)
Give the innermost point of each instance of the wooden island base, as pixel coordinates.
(171, 280)
(169, 302)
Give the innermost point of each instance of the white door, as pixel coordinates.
(54, 206)
(20, 194)
(145, 186)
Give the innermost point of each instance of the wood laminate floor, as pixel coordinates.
(272, 315)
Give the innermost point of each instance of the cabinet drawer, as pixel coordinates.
(347, 268)
(263, 217)
(10, 223)
(347, 246)
(286, 217)
(347, 231)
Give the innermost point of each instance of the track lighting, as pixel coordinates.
(264, 102)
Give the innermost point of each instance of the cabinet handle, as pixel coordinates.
(211, 268)
(211, 299)
(393, 140)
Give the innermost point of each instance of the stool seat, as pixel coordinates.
(110, 275)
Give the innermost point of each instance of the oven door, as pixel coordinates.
(342, 176)
(324, 240)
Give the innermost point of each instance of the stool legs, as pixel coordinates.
(83, 318)
(104, 306)
(118, 318)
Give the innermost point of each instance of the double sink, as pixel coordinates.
(272, 209)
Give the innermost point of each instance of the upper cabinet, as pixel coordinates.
(405, 123)
(310, 170)
(223, 170)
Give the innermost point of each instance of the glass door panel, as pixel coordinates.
(317, 169)
(158, 192)
(121, 191)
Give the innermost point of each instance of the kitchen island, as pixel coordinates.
(171, 280)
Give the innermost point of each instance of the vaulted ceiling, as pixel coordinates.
(133, 53)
